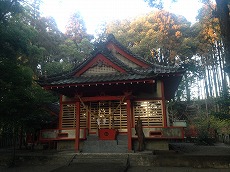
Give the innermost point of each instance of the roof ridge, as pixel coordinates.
(128, 51)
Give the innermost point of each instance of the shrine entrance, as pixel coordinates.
(96, 115)
(107, 115)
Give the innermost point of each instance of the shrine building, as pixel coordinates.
(103, 96)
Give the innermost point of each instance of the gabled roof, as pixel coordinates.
(113, 43)
(109, 63)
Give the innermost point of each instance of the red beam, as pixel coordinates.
(101, 98)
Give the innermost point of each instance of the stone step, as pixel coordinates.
(142, 159)
(103, 146)
(101, 158)
(122, 140)
(94, 145)
(92, 138)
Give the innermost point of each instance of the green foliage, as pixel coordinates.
(36, 114)
(48, 37)
(22, 101)
(200, 116)
(205, 130)
(63, 51)
(53, 68)
(223, 102)
(209, 126)
(14, 83)
(15, 39)
(222, 126)
(9, 8)
(70, 52)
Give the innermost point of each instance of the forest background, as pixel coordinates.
(32, 46)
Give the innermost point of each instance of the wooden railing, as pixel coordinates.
(161, 133)
(64, 134)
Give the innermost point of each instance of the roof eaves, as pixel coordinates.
(101, 79)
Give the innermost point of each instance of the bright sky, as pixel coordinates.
(96, 12)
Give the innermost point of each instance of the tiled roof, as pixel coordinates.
(135, 75)
(98, 79)
(131, 73)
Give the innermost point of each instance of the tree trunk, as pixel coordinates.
(222, 12)
(187, 88)
(206, 83)
(198, 89)
(224, 81)
(209, 82)
(221, 62)
(215, 72)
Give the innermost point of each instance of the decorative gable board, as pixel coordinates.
(100, 64)
(127, 58)
(100, 69)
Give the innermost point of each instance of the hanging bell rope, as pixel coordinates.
(112, 114)
(87, 109)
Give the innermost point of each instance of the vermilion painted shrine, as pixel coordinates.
(102, 97)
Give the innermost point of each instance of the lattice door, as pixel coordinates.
(100, 113)
(120, 116)
(69, 116)
(150, 112)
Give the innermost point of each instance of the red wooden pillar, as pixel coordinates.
(77, 129)
(60, 113)
(129, 124)
(163, 105)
